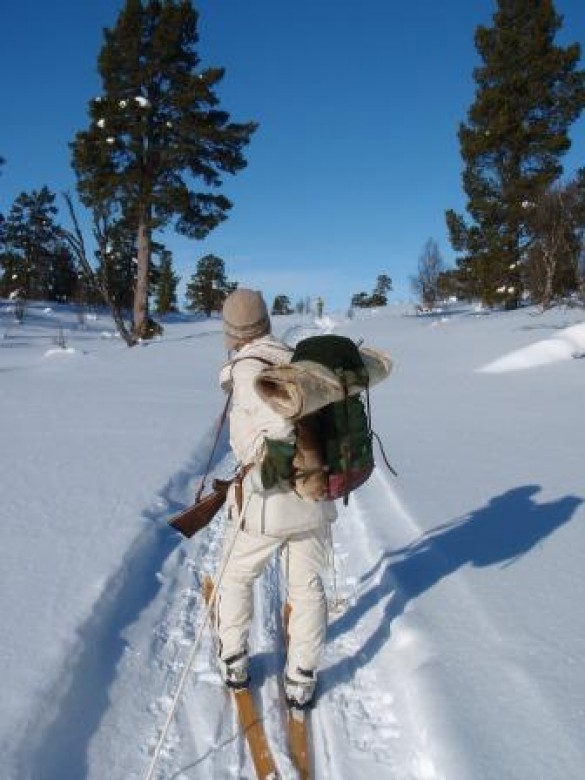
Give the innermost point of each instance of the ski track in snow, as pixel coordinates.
(349, 709)
(352, 713)
(387, 735)
(78, 699)
(204, 739)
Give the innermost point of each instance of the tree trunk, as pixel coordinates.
(549, 271)
(121, 325)
(141, 323)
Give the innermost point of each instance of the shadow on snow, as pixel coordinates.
(500, 533)
(56, 745)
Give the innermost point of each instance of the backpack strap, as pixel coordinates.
(227, 383)
(386, 461)
(347, 427)
(253, 357)
(259, 358)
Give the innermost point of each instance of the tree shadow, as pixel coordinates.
(510, 526)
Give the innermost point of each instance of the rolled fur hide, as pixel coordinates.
(297, 389)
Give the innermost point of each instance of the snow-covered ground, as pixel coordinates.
(457, 628)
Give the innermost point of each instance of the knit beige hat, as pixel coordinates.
(245, 317)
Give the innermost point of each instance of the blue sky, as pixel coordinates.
(356, 158)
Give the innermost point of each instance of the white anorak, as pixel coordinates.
(278, 511)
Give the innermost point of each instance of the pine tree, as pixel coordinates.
(360, 300)
(380, 294)
(35, 259)
(117, 262)
(2, 245)
(166, 290)
(209, 287)
(379, 297)
(63, 278)
(116, 268)
(529, 91)
(156, 133)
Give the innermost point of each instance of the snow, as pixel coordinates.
(457, 628)
(569, 343)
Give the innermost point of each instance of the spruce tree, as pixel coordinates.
(529, 92)
(158, 144)
(209, 287)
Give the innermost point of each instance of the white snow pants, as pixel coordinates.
(304, 560)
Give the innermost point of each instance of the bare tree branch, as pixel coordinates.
(77, 244)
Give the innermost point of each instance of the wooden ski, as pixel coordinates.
(251, 723)
(298, 741)
(298, 724)
(253, 728)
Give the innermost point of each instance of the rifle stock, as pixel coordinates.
(200, 514)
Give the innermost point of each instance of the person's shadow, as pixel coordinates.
(508, 527)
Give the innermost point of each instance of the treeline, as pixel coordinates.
(38, 261)
(158, 146)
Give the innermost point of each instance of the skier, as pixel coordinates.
(262, 521)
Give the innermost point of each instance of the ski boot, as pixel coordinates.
(234, 671)
(299, 688)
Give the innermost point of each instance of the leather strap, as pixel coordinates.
(221, 423)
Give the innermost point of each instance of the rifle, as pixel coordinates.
(202, 512)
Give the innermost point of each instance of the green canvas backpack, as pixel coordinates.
(333, 454)
(342, 428)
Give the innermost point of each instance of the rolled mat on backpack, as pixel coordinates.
(298, 389)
